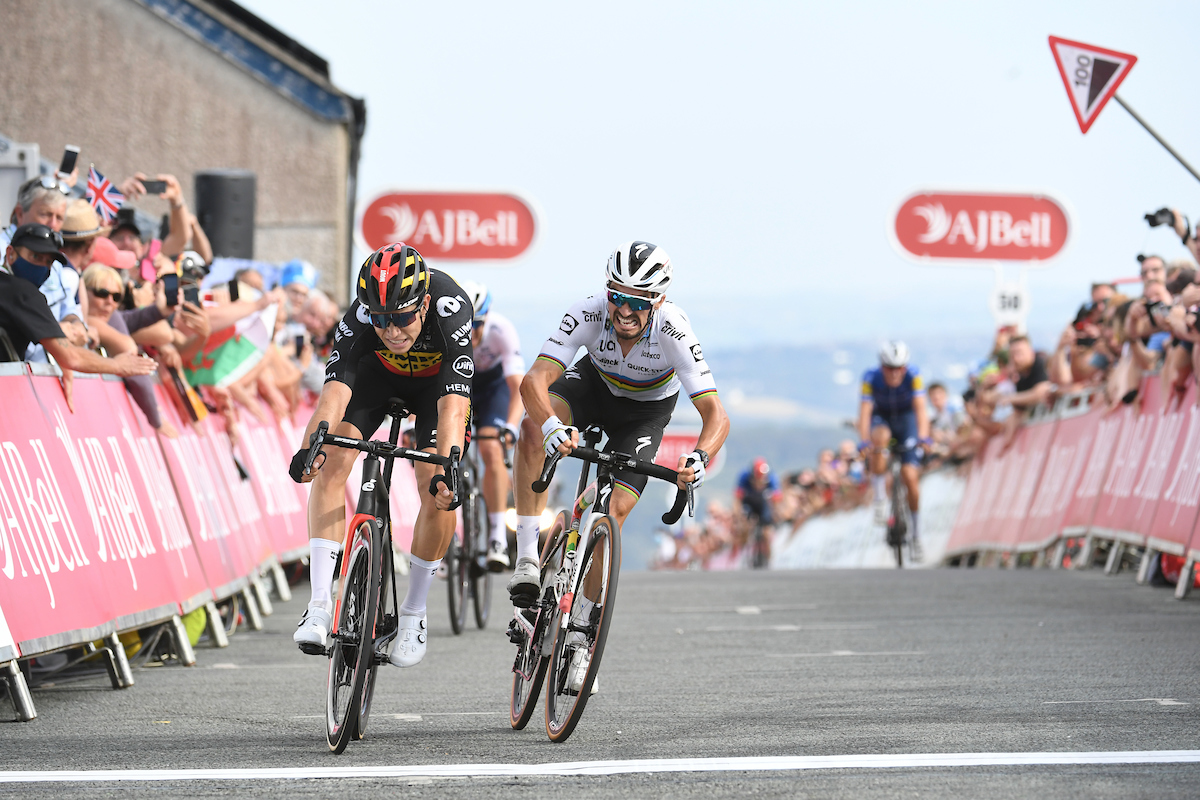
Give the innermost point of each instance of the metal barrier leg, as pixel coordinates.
(117, 663)
(282, 590)
(1116, 554)
(1187, 576)
(261, 596)
(1085, 553)
(216, 628)
(253, 618)
(18, 690)
(183, 645)
(1039, 559)
(1148, 556)
(1060, 553)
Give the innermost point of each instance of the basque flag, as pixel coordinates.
(103, 196)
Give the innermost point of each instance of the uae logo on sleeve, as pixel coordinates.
(1091, 75)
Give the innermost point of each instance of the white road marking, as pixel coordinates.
(748, 610)
(1162, 701)
(846, 653)
(790, 628)
(637, 766)
(416, 717)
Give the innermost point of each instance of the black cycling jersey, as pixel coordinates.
(442, 351)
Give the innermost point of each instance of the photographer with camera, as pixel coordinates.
(1181, 225)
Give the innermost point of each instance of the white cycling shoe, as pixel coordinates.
(526, 582)
(497, 557)
(313, 630)
(409, 647)
(882, 510)
(581, 659)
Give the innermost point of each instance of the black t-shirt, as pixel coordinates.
(24, 313)
(442, 351)
(1036, 374)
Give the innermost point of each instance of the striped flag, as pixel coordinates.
(103, 196)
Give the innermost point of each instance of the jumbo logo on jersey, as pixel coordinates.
(464, 366)
(934, 226)
(458, 225)
(413, 364)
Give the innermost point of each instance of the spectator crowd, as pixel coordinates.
(93, 288)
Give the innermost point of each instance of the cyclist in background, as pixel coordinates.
(893, 407)
(496, 409)
(405, 336)
(757, 490)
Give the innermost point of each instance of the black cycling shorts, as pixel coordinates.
(374, 385)
(490, 398)
(633, 426)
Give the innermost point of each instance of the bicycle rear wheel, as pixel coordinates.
(481, 577)
(584, 631)
(352, 649)
(458, 569)
(529, 670)
(898, 527)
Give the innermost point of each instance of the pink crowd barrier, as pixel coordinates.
(106, 526)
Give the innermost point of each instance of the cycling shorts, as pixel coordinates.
(904, 431)
(755, 505)
(490, 398)
(633, 426)
(374, 385)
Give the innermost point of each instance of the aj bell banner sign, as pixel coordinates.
(938, 226)
(458, 226)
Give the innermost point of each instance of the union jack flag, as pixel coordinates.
(103, 196)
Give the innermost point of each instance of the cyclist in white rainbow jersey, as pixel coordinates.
(640, 351)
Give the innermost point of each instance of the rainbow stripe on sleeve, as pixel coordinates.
(552, 360)
(703, 393)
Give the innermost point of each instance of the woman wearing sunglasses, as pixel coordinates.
(408, 335)
(640, 351)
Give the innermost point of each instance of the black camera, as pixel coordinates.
(1164, 216)
(1158, 311)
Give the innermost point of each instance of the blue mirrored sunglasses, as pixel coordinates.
(401, 319)
(635, 303)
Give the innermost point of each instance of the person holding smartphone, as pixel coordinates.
(167, 188)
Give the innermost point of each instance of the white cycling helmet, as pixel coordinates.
(640, 265)
(893, 354)
(480, 298)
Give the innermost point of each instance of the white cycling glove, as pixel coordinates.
(695, 462)
(554, 433)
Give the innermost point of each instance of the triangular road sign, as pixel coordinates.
(1091, 75)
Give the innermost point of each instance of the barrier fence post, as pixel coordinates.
(1147, 561)
(282, 590)
(18, 690)
(183, 645)
(1186, 577)
(1116, 554)
(216, 628)
(262, 596)
(253, 617)
(116, 663)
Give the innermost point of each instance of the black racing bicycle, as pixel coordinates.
(564, 630)
(366, 614)
(899, 516)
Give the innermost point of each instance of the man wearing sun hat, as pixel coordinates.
(81, 228)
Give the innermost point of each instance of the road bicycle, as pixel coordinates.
(899, 516)
(366, 617)
(574, 606)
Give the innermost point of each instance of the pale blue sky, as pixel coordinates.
(765, 145)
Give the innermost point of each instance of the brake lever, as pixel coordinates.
(315, 442)
(543, 481)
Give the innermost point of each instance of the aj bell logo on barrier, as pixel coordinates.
(953, 226)
(457, 226)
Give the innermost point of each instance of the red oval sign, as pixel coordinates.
(996, 227)
(451, 225)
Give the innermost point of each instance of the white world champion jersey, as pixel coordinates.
(499, 345)
(668, 354)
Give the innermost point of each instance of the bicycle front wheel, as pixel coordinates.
(458, 576)
(480, 576)
(352, 647)
(529, 669)
(898, 529)
(579, 638)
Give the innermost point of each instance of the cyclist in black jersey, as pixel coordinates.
(408, 335)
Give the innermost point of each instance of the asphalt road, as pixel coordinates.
(720, 665)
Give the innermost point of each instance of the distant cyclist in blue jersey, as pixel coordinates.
(757, 489)
(893, 407)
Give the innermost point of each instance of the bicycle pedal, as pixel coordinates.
(524, 597)
(313, 649)
(381, 658)
(515, 634)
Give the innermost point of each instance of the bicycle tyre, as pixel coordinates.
(898, 529)
(475, 532)
(385, 595)
(352, 651)
(458, 582)
(531, 654)
(564, 709)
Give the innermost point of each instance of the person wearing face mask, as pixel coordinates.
(407, 335)
(25, 317)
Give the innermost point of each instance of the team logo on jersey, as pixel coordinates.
(643, 441)
(461, 335)
(697, 353)
(363, 314)
(447, 306)
(568, 324)
(334, 357)
(572, 375)
(591, 316)
(670, 330)
(343, 330)
(413, 364)
(464, 366)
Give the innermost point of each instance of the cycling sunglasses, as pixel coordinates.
(104, 294)
(477, 323)
(48, 182)
(401, 319)
(634, 302)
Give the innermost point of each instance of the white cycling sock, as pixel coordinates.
(496, 530)
(914, 515)
(322, 556)
(420, 576)
(528, 529)
(879, 482)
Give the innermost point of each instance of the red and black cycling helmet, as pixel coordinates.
(393, 277)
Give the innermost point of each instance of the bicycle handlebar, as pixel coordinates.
(381, 449)
(684, 498)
